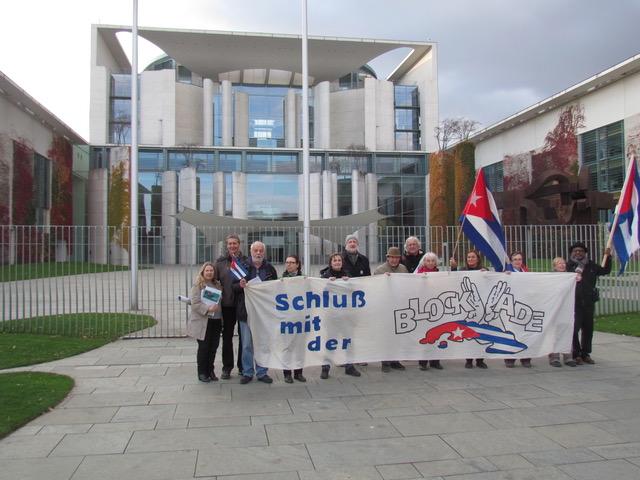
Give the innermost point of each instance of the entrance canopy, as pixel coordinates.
(215, 227)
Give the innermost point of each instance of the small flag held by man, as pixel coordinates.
(481, 224)
(237, 270)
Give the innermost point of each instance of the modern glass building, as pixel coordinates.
(220, 127)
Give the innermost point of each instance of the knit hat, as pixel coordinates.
(351, 236)
(394, 252)
(578, 245)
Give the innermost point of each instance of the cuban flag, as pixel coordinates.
(236, 269)
(626, 228)
(501, 342)
(481, 224)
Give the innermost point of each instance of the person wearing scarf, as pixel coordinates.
(586, 298)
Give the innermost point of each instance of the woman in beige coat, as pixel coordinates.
(205, 322)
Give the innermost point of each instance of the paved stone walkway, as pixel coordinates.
(138, 412)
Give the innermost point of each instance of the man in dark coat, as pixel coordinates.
(412, 253)
(353, 262)
(586, 296)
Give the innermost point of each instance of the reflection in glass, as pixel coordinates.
(273, 197)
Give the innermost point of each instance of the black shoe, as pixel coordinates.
(468, 364)
(480, 363)
(266, 379)
(299, 377)
(397, 366)
(213, 377)
(324, 374)
(385, 367)
(510, 363)
(244, 380)
(203, 377)
(351, 370)
(435, 364)
(526, 363)
(424, 365)
(226, 375)
(363, 364)
(288, 379)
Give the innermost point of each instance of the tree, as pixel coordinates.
(448, 129)
(466, 128)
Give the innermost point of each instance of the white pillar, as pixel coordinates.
(207, 112)
(385, 115)
(239, 193)
(241, 122)
(169, 222)
(219, 193)
(370, 113)
(321, 115)
(315, 213)
(334, 196)
(227, 114)
(187, 198)
(371, 183)
(97, 214)
(358, 202)
(327, 195)
(290, 119)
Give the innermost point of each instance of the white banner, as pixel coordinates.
(298, 322)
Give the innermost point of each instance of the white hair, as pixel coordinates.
(410, 239)
(257, 244)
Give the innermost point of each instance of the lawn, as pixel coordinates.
(28, 271)
(43, 339)
(27, 395)
(620, 323)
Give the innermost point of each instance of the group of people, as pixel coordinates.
(233, 271)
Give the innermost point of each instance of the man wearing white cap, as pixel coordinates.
(353, 262)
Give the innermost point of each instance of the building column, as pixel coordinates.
(169, 222)
(290, 118)
(371, 183)
(97, 214)
(327, 195)
(219, 194)
(385, 115)
(334, 194)
(187, 198)
(322, 115)
(239, 193)
(207, 112)
(227, 114)
(241, 123)
(358, 198)
(370, 113)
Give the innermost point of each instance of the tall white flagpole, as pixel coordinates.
(133, 175)
(305, 140)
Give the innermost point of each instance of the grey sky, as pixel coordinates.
(495, 57)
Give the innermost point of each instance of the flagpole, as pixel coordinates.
(305, 143)
(616, 216)
(133, 187)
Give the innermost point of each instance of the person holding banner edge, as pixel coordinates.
(205, 322)
(292, 268)
(227, 277)
(473, 262)
(560, 265)
(261, 269)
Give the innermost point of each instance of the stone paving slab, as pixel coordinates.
(133, 415)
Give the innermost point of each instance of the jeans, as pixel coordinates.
(247, 353)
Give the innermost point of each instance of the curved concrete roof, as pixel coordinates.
(213, 53)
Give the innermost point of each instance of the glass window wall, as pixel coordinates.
(272, 197)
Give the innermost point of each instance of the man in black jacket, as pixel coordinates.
(586, 297)
(353, 262)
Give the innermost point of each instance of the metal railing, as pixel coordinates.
(47, 271)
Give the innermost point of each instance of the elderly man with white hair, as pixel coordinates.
(258, 268)
(412, 253)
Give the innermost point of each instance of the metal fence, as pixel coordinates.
(50, 271)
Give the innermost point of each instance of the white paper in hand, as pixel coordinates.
(210, 296)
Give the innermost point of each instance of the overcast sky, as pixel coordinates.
(495, 57)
